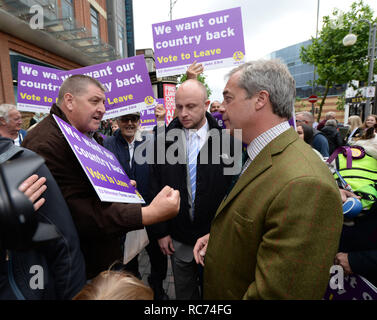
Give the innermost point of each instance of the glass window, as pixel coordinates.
(94, 18)
(121, 41)
(67, 12)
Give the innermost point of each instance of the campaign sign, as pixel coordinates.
(148, 118)
(101, 167)
(214, 39)
(38, 87)
(127, 83)
(355, 287)
(169, 101)
(219, 118)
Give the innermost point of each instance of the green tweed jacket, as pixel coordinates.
(276, 234)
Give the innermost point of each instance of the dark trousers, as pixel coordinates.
(133, 267)
(159, 263)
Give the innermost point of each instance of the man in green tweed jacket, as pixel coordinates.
(276, 234)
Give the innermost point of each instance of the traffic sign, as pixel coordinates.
(313, 99)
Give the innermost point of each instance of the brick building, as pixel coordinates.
(62, 34)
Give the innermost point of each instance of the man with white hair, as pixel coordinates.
(10, 123)
(328, 116)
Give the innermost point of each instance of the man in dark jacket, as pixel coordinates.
(332, 134)
(201, 187)
(100, 224)
(60, 259)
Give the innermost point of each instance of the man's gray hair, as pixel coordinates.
(307, 115)
(331, 123)
(76, 85)
(272, 76)
(330, 115)
(4, 110)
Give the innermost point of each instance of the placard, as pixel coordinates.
(169, 101)
(101, 167)
(127, 84)
(355, 287)
(214, 39)
(38, 87)
(148, 118)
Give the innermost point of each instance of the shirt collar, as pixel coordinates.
(132, 143)
(260, 142)
(202, 132)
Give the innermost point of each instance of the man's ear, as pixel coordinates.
(68, 99)
(207, 102)
(2, 121)
(262, 99)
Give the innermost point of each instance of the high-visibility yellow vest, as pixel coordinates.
(361, 176)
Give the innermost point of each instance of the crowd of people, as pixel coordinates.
(270, 230)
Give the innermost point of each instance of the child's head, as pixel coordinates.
(115, 285)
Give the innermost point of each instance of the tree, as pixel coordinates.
(335, 63)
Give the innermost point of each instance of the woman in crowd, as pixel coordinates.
(355, 130)
(369, 122)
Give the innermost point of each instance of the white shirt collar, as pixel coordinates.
(202, 133)
(260, 142)
(132, 143)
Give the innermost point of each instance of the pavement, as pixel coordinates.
(145, 270)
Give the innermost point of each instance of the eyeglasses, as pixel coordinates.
(129, 118)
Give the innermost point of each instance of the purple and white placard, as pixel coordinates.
(148, 118)
(355, 287)
(127, 83)
(214, 39)
(101, 167)
(38, 87)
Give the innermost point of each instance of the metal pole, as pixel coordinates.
(371, 50)
(171, 11)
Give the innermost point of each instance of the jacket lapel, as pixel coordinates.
(260, 164)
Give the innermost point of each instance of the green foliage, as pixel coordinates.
(201, 78)
(340, 102)
(335, 63)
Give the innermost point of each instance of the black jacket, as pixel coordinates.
(211, 185)
(333, 137)
(61, 258)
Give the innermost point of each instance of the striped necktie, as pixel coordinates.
(192, 151)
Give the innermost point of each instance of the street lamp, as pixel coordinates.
(171, 8)
(350, 39)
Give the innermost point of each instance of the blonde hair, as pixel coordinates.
(115, 285)
(355, 122)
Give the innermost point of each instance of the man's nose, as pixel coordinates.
(102, 108)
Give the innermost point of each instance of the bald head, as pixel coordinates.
(191, 104)
(196, 85)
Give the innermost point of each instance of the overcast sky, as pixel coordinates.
(268, 25)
